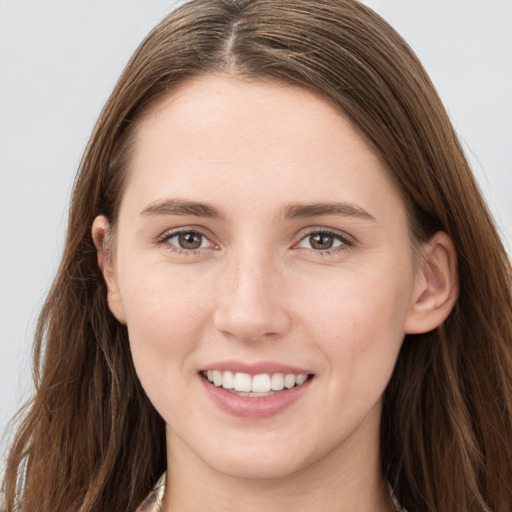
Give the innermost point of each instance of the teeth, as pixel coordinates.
(242, 382)
(261, 383)
(228, 380)
(277, 382)
(289, 381)
(301, 379)
(217, 378)
(256, 385)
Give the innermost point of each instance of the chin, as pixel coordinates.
(257, 468)
(263, 459)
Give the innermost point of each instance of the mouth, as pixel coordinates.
(259, 385)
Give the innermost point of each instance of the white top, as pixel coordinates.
(153, 502)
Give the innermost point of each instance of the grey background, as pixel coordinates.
(59, 60)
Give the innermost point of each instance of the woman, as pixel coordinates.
(281, 288)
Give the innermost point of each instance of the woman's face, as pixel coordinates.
(259, 235)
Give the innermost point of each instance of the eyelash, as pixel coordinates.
(166, 237)
(345, 241)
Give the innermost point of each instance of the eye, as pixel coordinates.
(324, 241)
(186, 240)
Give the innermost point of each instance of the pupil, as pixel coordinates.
(321, 241)
(190, 240)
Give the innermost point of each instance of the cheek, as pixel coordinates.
(165, 317)
(354, 301)
(358, 320)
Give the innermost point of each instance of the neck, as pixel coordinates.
(342, 481)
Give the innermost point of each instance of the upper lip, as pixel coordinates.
(254, 368)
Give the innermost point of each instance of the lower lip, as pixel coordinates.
(254, 407)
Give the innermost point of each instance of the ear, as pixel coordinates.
(436, 285)
(100, 235)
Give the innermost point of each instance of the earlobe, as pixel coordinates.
(100, 235)
(436, 287)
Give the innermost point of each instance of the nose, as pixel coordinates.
(251, 303)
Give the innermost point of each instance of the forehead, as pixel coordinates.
(273, 110)
(259, 140)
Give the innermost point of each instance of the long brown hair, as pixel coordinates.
(91, 438)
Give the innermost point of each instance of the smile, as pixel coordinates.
(255, 394)
(263, 384)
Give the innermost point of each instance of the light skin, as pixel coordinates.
(330, 288)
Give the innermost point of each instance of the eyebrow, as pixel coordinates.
(181, 207)
(293, 211)
(303, 210)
